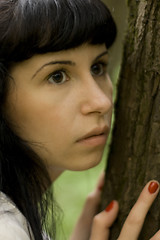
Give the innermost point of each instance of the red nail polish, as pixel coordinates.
(109, 207)
(100, 188)
(153, 186)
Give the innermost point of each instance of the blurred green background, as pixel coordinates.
(71, 188)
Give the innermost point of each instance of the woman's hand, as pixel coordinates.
(134, 222)
(83, 227)
(96, 227)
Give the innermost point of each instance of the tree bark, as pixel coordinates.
(134, 156)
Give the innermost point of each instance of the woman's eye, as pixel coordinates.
(99, 69)
(58, 77)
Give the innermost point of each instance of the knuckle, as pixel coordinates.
(92, 198)
(135, 219)
(97, 220)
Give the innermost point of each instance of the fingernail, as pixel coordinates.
(109, 207)
(100, 188)
(153, 186)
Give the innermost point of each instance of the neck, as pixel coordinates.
(54, 173)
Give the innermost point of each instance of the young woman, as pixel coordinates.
(56, 107)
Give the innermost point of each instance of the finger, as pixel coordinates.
(83, 227)
(156, 236)
(136, 217)
(93, 200)
(101, 181)
(91, 204)
(103, 221)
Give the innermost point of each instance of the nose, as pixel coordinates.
(96, 98)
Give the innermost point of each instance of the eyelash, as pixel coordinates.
(64, 73)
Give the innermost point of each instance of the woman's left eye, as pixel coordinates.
(59, 77)
(99, 69)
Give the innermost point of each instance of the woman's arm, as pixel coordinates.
(93, 227)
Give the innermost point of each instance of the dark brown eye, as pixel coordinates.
(58, 77)
(98, 69)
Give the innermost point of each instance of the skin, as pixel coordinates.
(61, 103)
(56, 116)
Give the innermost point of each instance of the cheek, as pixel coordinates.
(109, 87)
(108, 90)
(38, 118)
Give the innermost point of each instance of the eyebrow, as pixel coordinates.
(101, 55)
(53, 63)
(64, 63)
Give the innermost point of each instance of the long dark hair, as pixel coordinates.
(29, 27)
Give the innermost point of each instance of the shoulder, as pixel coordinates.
(13, 224)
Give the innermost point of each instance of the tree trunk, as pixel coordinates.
(134, 156)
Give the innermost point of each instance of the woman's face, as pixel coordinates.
(62, 103)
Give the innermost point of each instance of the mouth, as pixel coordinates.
(97, 136)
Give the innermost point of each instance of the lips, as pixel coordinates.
(98, 131)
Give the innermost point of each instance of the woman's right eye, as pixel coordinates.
(58, 77)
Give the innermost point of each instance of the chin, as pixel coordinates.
(85, 165)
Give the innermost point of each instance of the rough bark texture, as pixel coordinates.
(134, 156)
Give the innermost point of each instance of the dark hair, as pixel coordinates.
(29, 27)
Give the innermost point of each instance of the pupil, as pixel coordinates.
(96, 69)
(58, 77)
